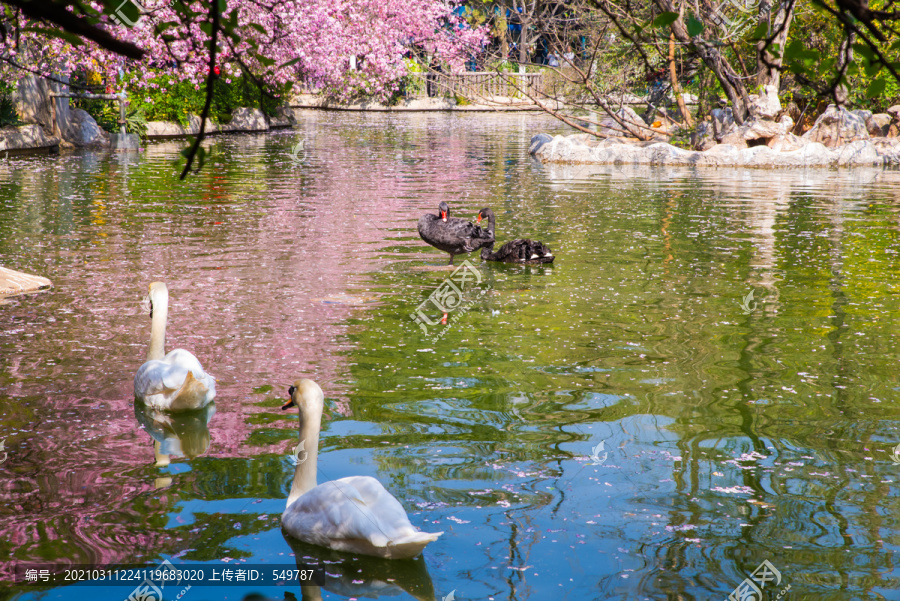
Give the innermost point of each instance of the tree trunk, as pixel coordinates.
(768, 64)
(676, 88)
(523, 41)
(503, 34)
(845, 57)
(731, 83)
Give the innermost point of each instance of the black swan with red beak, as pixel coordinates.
(523, 251)
(451, 234)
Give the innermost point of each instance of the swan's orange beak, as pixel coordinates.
(443, 216)
(479, 217)
(289, 404)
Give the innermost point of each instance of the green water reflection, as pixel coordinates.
(732, 433)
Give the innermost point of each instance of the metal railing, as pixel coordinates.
(475, 85)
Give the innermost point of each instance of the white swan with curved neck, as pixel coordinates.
(354, 514)
(174, 381)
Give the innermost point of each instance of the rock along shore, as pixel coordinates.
(243, 120)
(16, 282)
(587, 149)
(839, 138)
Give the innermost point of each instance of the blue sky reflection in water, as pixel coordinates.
(733, 432)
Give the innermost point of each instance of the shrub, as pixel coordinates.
(8, 115)
(161, 97)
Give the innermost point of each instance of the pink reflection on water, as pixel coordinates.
(264, 264)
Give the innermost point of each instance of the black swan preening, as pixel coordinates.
(451, 234)
(525, 252)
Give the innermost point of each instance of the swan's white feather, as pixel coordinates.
(161, 383)
(355, 514)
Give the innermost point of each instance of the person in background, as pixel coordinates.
(431, 79)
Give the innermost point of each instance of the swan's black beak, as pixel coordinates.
(290, 402)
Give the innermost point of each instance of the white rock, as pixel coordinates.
(838, 126)
(766, 104)
(786, 142)
(25, 137)
(82, 130)
(861, 152)
(722, 121)
(246, 119)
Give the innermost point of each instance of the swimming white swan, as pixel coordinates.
(354, 514)
(173, 382)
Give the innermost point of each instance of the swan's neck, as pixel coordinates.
(158, 328)
(491, 224)
(305, 472)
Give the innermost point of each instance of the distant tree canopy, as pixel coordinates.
(843, 51)
(810, 51)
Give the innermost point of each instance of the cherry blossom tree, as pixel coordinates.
(342, 47)
(275, 41)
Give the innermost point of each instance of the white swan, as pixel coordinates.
(354, 514)
(173, 382)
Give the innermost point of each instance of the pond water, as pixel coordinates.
(628, 423)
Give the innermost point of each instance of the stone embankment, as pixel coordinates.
(50, 123)
(16, 282)
(243, 120)
(839, 138)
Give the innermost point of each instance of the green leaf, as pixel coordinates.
(293, 61)
(827, 65)
(872, 69)
(184, 9)
(865, 51)
(268, 62)
(694, 26)
(665, 19)
(760, 33)
(257, 27)
(206, 27)
(793, 50)
(876, 88)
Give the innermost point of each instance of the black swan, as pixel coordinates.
(524, 252)
(451, 234)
